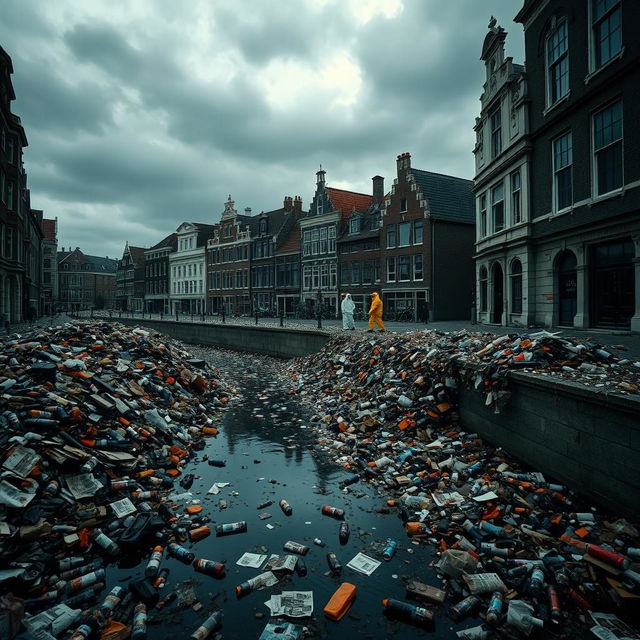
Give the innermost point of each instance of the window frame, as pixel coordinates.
(391, 269)
(558, 170)
(608, 146)
(418, 224)
(494, 204)
(403, 262)
(495, 116)
(403, 205)
(551, 66)
(483, 281)
(418, 258)
(392, 231)
(596, 22)
(516, 196)
(407, 227)
(483, 214)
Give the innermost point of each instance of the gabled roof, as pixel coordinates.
(348, 201)
(449, 198)
(108, 265)
(169, 241)
(137, 254)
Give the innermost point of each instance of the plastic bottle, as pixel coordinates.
(251, 584)
(161, 580)
(352, 479)
(286, 507)
(407, 611)
(343, 534)
(180, 553)
(295, 547)
(82, 582)
(209, 567)
(71, 562)
(536, 581)
(333, 562)
(111, 601)
(332, 512)
(609, 557)
(82, 632)
(105, 542)
(390, 549)
(230, 528)
(153, 566)
(465, 607)
(139, 626)
(495, 608)
(199, 532)
(554, 604)
(211, 624)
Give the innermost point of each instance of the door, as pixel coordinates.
(498, 294)
(567, 289)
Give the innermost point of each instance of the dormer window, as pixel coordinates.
(354, 224)
(263, 226)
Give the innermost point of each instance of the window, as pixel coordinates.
(483, 288)
(497, 207)
(315, 243)
(375, 221)
(562, 172)
(332, 239)
(495, 118)
(607, 30)
(391, 269)
(391, 236)
(516, 286)
(417, 232)
(10, 194)
(11, 151)
(516, 209)
(417, 267)
(607, 148)
(557, 64)
(354, 224)
(323, 240)
(367, 272)
(403, 205)
(355, 273)
(404, 234)
(8, 243)
(483, 215)
(404, 268)
(306, 245)
(345, 273)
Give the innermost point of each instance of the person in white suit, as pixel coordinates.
(347, 307)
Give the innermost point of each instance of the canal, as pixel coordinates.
(271, 453)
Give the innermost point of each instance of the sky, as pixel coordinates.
(141, 115)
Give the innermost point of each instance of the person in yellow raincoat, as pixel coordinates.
(375, 312)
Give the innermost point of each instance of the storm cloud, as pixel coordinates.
(142, 115)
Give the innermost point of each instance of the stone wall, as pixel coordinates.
(575, 435)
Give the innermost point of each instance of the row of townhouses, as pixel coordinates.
(413, 244)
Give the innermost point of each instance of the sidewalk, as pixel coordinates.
(623, 344)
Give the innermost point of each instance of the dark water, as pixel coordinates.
(270, 458)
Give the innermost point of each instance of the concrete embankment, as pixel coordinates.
(269, 341)
(574, 434)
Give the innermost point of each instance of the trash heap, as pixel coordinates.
(521, 554)
(96, 422)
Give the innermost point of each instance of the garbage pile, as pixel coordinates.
(97, 420)
(518, 553)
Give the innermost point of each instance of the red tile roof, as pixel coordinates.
(49, 229)
(347, 201)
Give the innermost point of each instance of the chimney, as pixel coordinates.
(378, 189)
(247, 211)
(404, 162)
(288, 203)
(297, 204)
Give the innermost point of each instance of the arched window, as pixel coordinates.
(483, 288)
(516, 286)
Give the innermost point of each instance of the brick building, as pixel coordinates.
(320, 227)
(85, 281)
(359, 250)
(269, 231)
(229, 263)
(287, 265)
(428, 232)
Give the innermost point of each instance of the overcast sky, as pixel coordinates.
(143, 114)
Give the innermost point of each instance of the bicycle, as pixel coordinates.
(404, 315)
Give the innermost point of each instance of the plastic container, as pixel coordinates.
(333, 512)
(153, 566)
(407, 612)
(209, 567)
(340, 602)
(389, 549)
(333, 562)
(180, 553)
(230, 528)
(139, 626)
(344, 533)
(199, 532)
(211, 624)
(286, 507)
